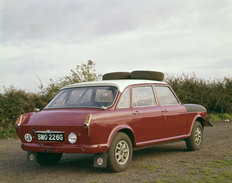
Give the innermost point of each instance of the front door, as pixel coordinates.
(147, 116)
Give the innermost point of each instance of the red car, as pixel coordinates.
(109, 118)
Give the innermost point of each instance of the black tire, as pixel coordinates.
(194, 142)
(120, 153)
(150, 75)
(48, 158)
(116, 75)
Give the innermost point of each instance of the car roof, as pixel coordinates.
(120, 84)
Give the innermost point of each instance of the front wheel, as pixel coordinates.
(48, 158)
(120, 153)
(194, 142)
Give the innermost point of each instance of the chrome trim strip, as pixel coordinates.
(48, 131)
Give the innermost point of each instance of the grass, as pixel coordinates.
(214, 171)
(168, 175)
(214, 117)
(228, 154)
(149, 167)
(162, 181)
(183, 162)
(221, 163)
(225, 177)
(7, 133)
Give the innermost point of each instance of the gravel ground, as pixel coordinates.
(161, 163)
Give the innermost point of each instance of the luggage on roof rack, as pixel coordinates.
(139, 74)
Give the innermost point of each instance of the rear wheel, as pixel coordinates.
(120, 153)
(194, 142)
(48, 158)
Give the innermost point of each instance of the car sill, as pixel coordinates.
(162, 140)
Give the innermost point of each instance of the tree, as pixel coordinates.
(13, 101)
(82, 73)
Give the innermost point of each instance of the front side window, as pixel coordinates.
(125, 99)
(143, 96)
(165, 95)
(93, 97)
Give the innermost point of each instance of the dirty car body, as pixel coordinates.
(110, 119)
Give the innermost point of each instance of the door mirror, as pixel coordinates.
(37, 109)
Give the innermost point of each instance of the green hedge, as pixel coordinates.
(216, 96)
(14, 102)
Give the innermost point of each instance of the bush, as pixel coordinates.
(216, 96)
(219, 117)
(14, 102)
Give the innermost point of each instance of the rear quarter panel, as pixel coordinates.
(105, 125)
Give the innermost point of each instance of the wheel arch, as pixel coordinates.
(124, 129)
(129, 134)
(201, 120)
(204, 122)
(198, 118)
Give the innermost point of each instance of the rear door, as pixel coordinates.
(174, 114)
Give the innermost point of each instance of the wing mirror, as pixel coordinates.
(37, 109)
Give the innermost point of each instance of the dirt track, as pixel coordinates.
(166, 162)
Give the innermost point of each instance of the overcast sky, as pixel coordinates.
(48, 38)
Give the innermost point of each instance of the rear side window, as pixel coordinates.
(125, 99)
(143, 96)
(165, 95)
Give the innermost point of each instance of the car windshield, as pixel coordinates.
(86, 97)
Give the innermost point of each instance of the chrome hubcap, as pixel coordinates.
(122, 152)
(198, 136)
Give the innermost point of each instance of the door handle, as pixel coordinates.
(164, 110)
(136, 112)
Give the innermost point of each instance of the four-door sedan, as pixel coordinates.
(109, 119)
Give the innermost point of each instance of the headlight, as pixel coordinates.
(72, 138)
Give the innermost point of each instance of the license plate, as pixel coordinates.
(50, 136)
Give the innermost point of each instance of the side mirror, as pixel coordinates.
(37, 109)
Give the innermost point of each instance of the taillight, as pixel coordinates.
(19, 121)
(87, 123)
(88, 120)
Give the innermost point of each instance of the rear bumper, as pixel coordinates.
(65, 148)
